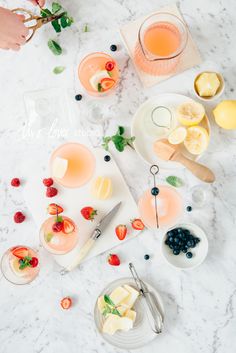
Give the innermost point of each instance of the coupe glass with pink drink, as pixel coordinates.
(59, 235)
(20, 264)
(72, 165)
(169, 207)
(98, 74)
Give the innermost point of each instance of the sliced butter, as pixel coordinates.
(59, 167)
(115, 322)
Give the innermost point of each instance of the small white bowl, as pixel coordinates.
(199, 252)
(218, 92)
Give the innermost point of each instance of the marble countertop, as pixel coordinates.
(200, 304)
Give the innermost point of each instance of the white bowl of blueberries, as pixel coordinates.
(185, 246)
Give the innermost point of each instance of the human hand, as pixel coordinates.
(41, 3)
(13, 32)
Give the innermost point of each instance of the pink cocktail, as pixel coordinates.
(169, 207)
(20, 264)
(72, 165)
(98, 73)
(59, 235)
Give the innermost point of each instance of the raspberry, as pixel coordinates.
(15, 182)
(34, 262)
(19, 217)
(57, 227)
(51, 191)
(48, 182)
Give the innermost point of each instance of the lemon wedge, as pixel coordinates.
(207, 84)
(190, 113)
(197, 140)
(102, 188)
(177, 136)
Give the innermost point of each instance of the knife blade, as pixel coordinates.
(101, 226)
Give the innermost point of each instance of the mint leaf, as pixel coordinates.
(56, 7)
(121, 130)
(109, 73)
(48, 237)
(58, 69)
(66, 21)
(45, 13)
(174, 181)
(86, 29)
(54, 47)
(115, 312)
(56, 26)
(99, 87)
(108, 300)
(59, 219)
(119, 142)
(107, 310)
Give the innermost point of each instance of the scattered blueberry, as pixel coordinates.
(188, 208)
(113, 47)
(155, 191)
(78, 97)
(107, 158)
(146, 257)
(176, 251)
(189, 255)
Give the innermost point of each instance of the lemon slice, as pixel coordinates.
(190, 113)
(197, 140)
(97, 77)
(102, 188)
(178, 135)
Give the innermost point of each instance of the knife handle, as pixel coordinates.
(81, 255)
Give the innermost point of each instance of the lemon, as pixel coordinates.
(102, 188)
(177, 135)
(207, 84)
(197, 140)
(225, 114)
(190, 113)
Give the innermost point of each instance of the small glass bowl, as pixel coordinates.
(219, 92)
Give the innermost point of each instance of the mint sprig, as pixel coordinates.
(25, 262)
(174, 181)
(54, 47)
(64, 21)
(119, 140)
(110, 307)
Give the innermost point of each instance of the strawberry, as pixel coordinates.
(68, 226)
(21, 253)
(66, 303)
(54, 209)
(51, 191)
(113, 260)
(109, 65)
(121, 231)
(34, 262)
(107, 83)
(15, 182)
(48, 182)
(19, 217)
(137, 224)
(88, 213)
(57, 227)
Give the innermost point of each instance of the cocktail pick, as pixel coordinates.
(154, 170)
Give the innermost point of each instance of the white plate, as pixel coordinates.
(199, 252)
(141, 333)
(143, 143)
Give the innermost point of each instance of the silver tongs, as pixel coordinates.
(154, 313)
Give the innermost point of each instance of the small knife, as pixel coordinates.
(101, 226)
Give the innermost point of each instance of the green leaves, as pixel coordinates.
(59, 219)
(58, 69)
(25, 262)
(110, 307)
(64, 21)
(48, 237)
(174, 181)
(86, 29)
(54, 47)
(99, 87)
(119, 141)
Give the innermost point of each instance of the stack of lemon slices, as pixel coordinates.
(194, 137)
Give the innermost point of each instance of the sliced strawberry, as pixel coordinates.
(107, 83)
(88, 213)
(68, 226)
(54, 209)
(20, 252)
(113, 260)
(137, 224)
(66, 303)
(121, 231)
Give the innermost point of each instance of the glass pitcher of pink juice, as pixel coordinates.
(162, 38)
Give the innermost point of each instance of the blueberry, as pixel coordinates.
(189, 255)
(169, 233)
(113, 47)
(188, 208)
(171, 239)
(167, 242)
(107, 158)
(176, 251)
(155, 191)
(189, 243)
(186, 232)
(184, 250)
(78, 97)
(146, 257)
(197, 240)
(179, 230)
(176, 240)
(171, 246)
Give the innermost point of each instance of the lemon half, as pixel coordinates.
(197, 140)
(178, 135)
(190, 113)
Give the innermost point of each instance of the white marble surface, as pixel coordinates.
(200, 304)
